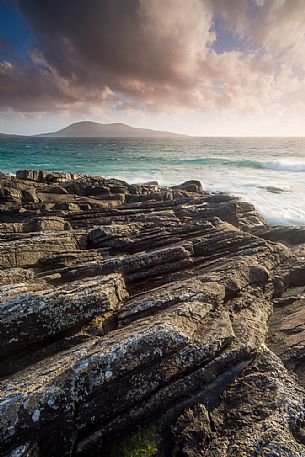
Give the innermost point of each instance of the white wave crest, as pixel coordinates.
(286, 165)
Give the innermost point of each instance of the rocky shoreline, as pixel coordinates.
(167, 314)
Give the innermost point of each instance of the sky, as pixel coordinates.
(200, 67)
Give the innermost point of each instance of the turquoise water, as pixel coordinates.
(247, 167)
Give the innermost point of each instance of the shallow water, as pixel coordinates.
(269, 172)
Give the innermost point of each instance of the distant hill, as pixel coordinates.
(9, 135)
(93, 129)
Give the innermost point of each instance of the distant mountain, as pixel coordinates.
(93, 129)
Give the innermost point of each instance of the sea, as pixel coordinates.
(268, 172)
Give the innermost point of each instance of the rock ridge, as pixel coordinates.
(128, 307)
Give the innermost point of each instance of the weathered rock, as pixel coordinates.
(260, 414)
(32, 317)
(36, 225)
(190, 186)
(288, 235)
(124, 305)
(28, 250)
(25, 450)
(45, 176)
(287, 332)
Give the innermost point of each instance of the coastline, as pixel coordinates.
(242, 167)
(127, 307)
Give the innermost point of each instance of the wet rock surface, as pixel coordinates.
(130, 306)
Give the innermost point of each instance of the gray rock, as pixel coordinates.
(136, 305)
(32, 317)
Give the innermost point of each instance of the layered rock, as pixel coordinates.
(127, 306)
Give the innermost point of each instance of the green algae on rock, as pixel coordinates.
(141, 443)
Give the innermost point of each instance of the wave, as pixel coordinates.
(286, 165)
(215, 161)
(277, 165)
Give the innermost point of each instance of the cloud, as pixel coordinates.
(156, 55)
(145, 51)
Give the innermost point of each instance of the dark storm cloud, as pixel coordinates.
(130, 38)
(110, 49)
